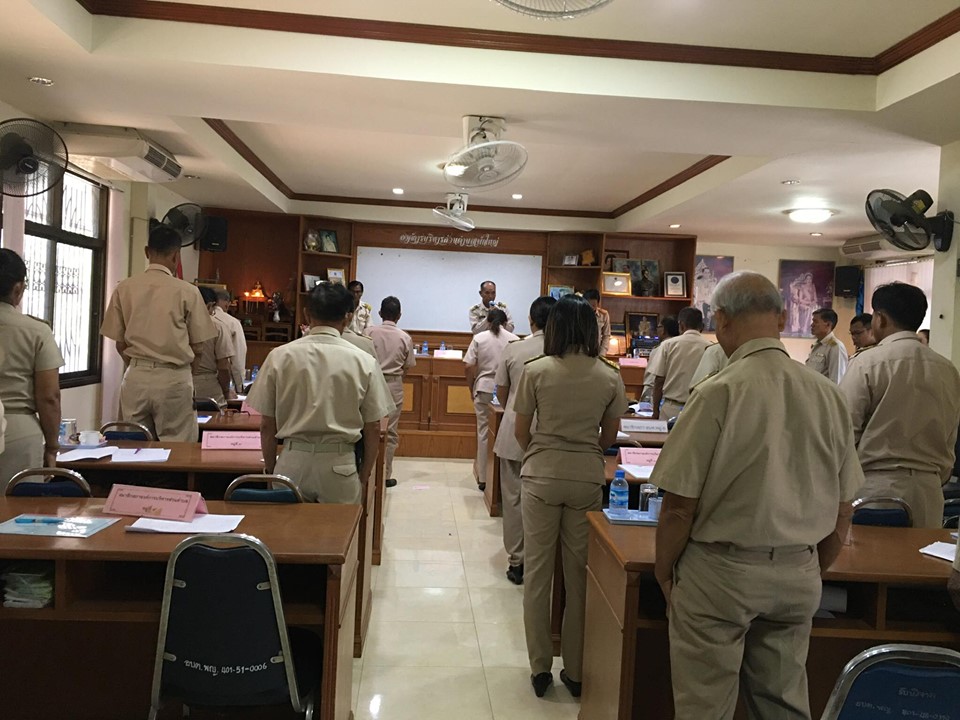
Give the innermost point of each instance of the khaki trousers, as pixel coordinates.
(23, 447)
(481, 405)
(512, 516)
(161, 398)
(742, 617)
(669, 409)
(555, 510)
(324, 473)
(923, 492)
(206, 385)
(395, 383)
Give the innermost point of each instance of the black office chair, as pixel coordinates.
(951, 513)
(207, 404)
(223, 640)
(126, 430)
(899, 516)
(904, 680)
(236, 492)
(73, 484)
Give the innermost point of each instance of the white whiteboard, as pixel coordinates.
(437, 288)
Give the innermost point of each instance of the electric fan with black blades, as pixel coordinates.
(188, 220)
(901, 220)
(33, 157)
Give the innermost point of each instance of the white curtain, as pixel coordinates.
(914, 272)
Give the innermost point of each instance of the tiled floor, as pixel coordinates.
(446, 635)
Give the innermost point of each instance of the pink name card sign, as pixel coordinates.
(151, 502)
(231, 440)
(646, 457)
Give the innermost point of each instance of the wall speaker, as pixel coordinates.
(215, 237)
(846, 281)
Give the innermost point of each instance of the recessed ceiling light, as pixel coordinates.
(517, 196)
(191, 177)
(816, 234)
(809, 215)
(789, 182)
(675, 225)
(41, 81)
(398, 191)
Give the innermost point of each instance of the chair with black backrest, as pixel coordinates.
(951, 513)
(125, 430)
(289, 493)
(900, 515)
(207, 404)
(897, 681)
(215, 585)
(26, 483)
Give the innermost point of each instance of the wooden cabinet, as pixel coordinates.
(323, 264)
(585, 247)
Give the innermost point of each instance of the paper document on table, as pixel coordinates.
(203, 419)
(621, 435)
(647, 426)
(637, 472)
(943, 550)
(200, 524)
(141, 455)
(87, 454)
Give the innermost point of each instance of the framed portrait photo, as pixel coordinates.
(336, 275)
(328, 241)
(674, 284)
(616, 283)
(610, 255)
(641, 324)
(571, 259)
(559, 291)
(309, 282)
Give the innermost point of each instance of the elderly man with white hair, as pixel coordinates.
(759, 474)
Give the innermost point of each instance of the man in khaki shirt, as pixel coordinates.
(603, 319)
(360, 321)
(488, 301)
(675, 364)
(394, 350)
(827, 356)
(159, 324)
(238, 363)
(861, 332)
(212, 372)
(759, 474)
(317, 394)
(904, 402)
(506, 447)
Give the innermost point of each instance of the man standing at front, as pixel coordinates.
(759, 473)
(394, 350)
(676, 363)
(238, 364)
(159, 324)
(904, 402)
(317, 393)
(827, 356)
(488, 301)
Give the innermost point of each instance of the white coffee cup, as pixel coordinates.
(89, 437)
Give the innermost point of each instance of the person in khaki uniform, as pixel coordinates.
(317, 394)
(578, 399)
(361, 341)
(238, 363)
(861, 332)
(159, 324)
(668, 328)
(713, 361)
(488, 301)
(676, 363)
(506, 448)
(30, 362)
(904, 402)
(759, 473)
(481, 361)
(603, 319)
(394, 350)
(827, 356)
(360, 320)
(212, 372)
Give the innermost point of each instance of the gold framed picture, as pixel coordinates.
(337, 275)
(616, 283)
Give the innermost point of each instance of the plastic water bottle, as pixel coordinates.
(619, 493)
(443, 345)
(253, 373)
(426, 349)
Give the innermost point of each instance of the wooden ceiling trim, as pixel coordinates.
(670, 183)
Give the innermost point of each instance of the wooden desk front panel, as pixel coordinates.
(416, 396)
(632, 380)
(452, 402)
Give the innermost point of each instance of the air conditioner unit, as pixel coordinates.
(113, 153)
(876, 247)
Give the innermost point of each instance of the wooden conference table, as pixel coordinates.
(230, 421)
(895, 594)
(90, 656)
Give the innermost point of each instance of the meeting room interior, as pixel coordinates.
(453, 180)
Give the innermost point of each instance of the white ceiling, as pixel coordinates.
(355, 118)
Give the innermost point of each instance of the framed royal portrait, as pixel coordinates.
(707, 272)
(309, 282)
(337, 275)
(559, 291)
(328, 241)
(571, 259)
(610, 255)
(641, 324)
(616, 283)
(675, 284)
(805, 285)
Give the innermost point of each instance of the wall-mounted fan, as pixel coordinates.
(554, 9)
(486, 161)
(188, 220)
(33, 157)
(455, 211)
(900, 219)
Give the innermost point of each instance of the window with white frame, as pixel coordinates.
(63, 248)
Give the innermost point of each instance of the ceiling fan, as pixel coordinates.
(554, 9)
(454, 212)
(486, 161)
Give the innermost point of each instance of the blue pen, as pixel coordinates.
(44, 520)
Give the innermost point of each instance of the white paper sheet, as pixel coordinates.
(638, 472)
(943, 550)
(87, 454)
(203, 419)
(200, 524)
(128, 455)
(622, 435)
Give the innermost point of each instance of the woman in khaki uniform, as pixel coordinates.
(29, 379)
(578, 399)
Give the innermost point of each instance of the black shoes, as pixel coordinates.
(390, 482)
(573, 686)
(540, 682)
(515, 574)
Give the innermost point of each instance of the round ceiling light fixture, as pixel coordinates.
(810, 215)
(789, 182)
(41, 81)
(554, 9)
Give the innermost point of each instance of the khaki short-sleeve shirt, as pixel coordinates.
(321, 389)
(904, 402)
(767, 448)
(713, 361)
(603, 329)
(360, 341)
(676, 363)
(828, 357)
(158, 317)
(478, 317)
(361, 318)
(28, 348)
(239, 362)
(394, 348)
(484, 353)
(509, 372)
(571, 396)
(216, 348)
